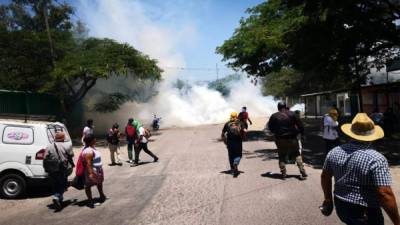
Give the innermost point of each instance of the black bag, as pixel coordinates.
(51, 164)
(78, 182)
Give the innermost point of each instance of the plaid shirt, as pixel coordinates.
(358, 171)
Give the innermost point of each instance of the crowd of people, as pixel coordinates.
(362, 176)
(89, 171)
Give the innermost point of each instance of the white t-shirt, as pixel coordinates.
(87, 130)
(141, 133)
(330, 128)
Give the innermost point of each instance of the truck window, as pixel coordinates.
(53, 129)
(18, 135)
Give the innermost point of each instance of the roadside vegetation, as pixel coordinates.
(298, 46)
(44, 50)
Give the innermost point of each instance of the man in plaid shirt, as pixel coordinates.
(362, 177)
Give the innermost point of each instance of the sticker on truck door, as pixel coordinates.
(18, 135)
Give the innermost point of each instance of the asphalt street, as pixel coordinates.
(188, 186)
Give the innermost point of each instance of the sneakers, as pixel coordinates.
(284, 176)
(134, 164)
(57, 203)
(235, 170)
(303, 175)
(103, 198)
(236, 173)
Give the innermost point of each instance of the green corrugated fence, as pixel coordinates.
(25, 103)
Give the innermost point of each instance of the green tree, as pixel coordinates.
(330, 43)
(95, 59)
(42, 50)
(26, 59)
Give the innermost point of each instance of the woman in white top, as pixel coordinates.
(88, 129)
(331, 135)
(94, 174)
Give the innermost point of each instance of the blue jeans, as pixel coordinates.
(130, 148)
(352, 214)
(58, 181)
(234, 158)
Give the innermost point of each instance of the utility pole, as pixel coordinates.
(217, 70)
(46, 21)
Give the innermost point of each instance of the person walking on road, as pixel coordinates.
(130, 133)
(286, 126)
(94, 175)
(62, 152)
(362, 177)
(330, 127)
(233, 139)
(113, 136)
(244, 117)
(87, 130)
(142, 143)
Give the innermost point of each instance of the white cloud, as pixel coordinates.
(129, 21)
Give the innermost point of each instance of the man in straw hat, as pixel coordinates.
(362, 177)
(233, 138)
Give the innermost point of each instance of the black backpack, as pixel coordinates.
(112, 137)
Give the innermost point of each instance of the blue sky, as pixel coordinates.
(179, 33)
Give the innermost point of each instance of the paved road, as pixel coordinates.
(187, 186)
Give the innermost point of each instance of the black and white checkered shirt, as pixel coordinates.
(358, 170)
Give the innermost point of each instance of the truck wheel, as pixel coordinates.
(12, 186)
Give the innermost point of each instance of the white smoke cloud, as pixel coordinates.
(127, 21)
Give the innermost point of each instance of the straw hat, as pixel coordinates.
(362, 128)
(59, 137)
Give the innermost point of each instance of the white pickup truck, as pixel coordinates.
(22, 148)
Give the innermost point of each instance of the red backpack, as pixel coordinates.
(130, 131)
(80, 168)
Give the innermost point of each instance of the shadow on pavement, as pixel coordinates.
(279, 176)
(264, 154)
(64, 205)
(256, 135)
(85, 203)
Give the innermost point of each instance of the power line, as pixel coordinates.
(193, 68)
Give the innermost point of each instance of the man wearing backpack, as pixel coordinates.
(113, 136)
(232, 136)
(142, 141)
(130, 133)
(286, 126)
(56, 159)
